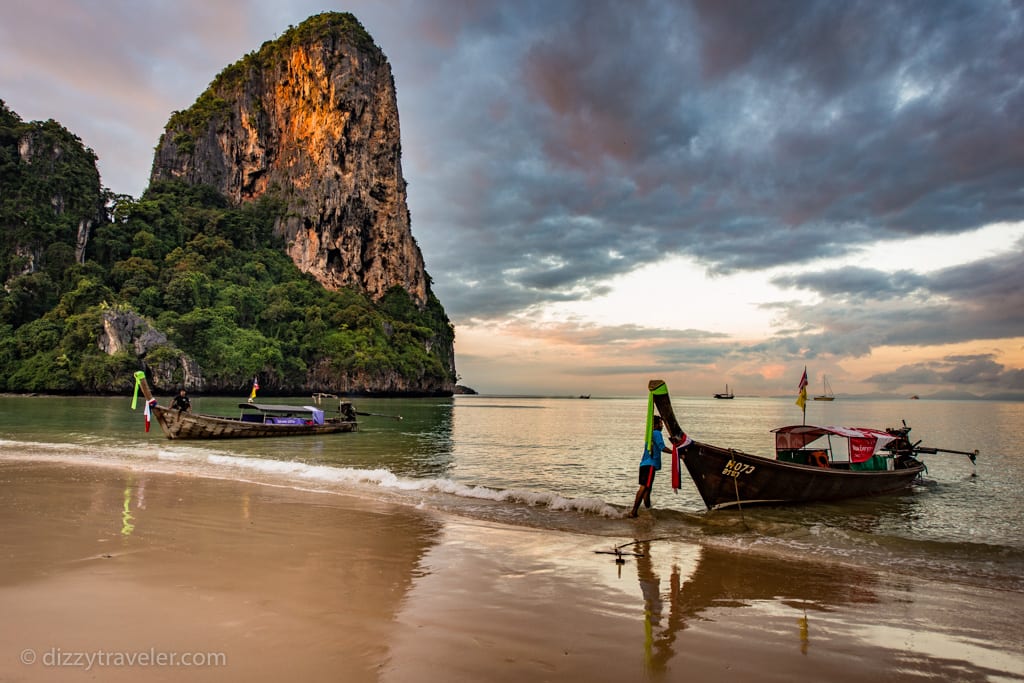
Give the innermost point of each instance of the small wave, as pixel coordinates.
(211, 462)
(386, 479)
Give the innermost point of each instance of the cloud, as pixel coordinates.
(858, 284)
(964, 371)
(861, 308)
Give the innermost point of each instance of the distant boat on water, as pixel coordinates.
(725, 394)
(828, 395)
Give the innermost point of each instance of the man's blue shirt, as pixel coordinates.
(658, 442)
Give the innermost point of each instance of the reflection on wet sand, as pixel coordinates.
(778, 617)
(286, 584)
(720, 580)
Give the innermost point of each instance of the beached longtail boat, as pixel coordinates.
(811, 464)
(257, 420)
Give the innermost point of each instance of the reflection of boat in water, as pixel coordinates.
(725, 394)
(774, 609)
(257, 420)
(722, 582)
(811, 463)
(827, 395)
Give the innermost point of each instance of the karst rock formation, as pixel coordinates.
(313, 118)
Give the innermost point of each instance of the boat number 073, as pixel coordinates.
(735, 469)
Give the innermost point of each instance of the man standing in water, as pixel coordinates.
(649, 464)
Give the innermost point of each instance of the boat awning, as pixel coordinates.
(864, 442)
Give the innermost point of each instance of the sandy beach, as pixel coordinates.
(110, 573)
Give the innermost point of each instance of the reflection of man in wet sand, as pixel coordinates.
(730, 581)
(657, 646)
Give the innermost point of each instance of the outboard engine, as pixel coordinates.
(901, 448)
(346, 411)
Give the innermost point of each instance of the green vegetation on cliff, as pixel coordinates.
(48, 185)
(209, 276)
(325, 26)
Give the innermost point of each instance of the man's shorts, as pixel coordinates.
(647, 475)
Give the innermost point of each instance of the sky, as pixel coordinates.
(709, 192)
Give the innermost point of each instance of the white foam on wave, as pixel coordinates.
(385, 479)
(64, 451)
(210, 462)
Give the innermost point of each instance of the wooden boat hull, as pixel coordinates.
(728, 478)
(183, 425)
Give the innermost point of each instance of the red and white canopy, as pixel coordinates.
(864, 442)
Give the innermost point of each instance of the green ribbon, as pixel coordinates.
(659, 390)
(139, 376)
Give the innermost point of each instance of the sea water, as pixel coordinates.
(571, 464)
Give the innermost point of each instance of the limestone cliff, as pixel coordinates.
(124, 331)
(50, 196)
(313, 118)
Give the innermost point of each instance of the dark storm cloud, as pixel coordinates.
(749, 135)
(857, 284)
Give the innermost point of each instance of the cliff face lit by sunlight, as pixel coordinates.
(313, 118)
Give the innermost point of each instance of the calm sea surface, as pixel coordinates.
(571, 464)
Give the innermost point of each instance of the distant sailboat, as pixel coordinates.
(725, 394)
(828, 395)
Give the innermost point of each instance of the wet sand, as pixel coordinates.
(110, 573)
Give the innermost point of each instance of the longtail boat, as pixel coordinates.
(256, 420)
(811, 464)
